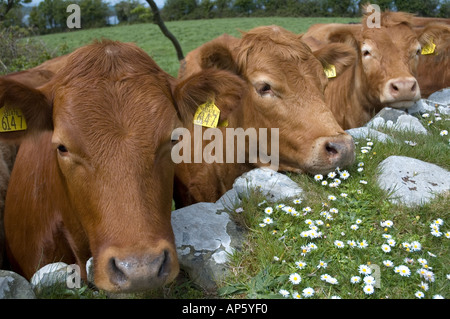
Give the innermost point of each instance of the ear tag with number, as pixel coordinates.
(207, 115)
(12, 120)
(330, 71)
(429, 48)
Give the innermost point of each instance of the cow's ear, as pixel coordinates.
(433, 33)
(340, 55)
(219, 54)
(223, 88)
(343, 35)
(24, 110)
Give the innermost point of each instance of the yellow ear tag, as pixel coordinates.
(12, 120)
(429, 48)
(330, 71)
(207, 115)
(223, 123)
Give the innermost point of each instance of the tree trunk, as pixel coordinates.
(158, 20)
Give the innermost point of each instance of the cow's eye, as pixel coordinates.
(174, 140)
(264, 89)
(62, 150)
(419, 50)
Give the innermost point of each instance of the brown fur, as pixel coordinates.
(108, 192)
(294, 104)
(433, 71)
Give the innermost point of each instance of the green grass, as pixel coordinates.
(264, 265)
(191, 34)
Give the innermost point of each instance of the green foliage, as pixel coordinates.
(132, 11)
(18, 52)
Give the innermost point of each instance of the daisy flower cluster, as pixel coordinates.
(331, 179)
(368, 281)
(435, 228)
(319, 243)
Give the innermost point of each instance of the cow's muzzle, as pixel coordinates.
(332, 152)
(135, 272)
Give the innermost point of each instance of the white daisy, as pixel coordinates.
(355, 279)
(339, 244)
(419, 294)
(300, 264)
(386, 248)
(368, 289)
(308, 292)
(284, 293)
(295, 278)
(369, 280)
(365, 270)
(318, 177)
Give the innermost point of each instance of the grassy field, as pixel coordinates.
(190, 34)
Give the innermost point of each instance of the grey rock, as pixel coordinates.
(442, 96)
(365, 132)
(274, 185)
(14, 286)
(49, 275)
(397, 120)
(229, 200)
(428, 106)
(411, 181)
(205, 235)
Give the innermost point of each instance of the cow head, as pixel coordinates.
(285, 85)
(111, 111)
(388, 56)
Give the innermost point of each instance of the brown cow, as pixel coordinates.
(384, 73)
(433, 71)
(284, 82)
(93, 175)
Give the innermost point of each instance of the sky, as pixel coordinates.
(159, 3)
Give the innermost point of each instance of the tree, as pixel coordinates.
(245, 7)
(339, 8)
(49, 16)
(94, 13)
(123, 10)
(7, 5)
(425, 8)
(178, 9)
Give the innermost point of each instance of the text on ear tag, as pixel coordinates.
(429, 48)
(330, 71)
(12, 120)
(207, 115)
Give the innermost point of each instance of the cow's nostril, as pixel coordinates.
(163, 269)
(331, 148)
(414, 87)
(118, 275)
(394, 87)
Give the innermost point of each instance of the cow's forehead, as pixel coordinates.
(399, 36)
(281, 57)
(122, 116)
